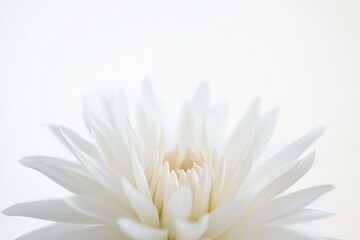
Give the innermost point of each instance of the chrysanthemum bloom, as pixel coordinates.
(134, 181)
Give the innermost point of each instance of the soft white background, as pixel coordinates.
(303, 56)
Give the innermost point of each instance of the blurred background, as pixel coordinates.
(300, 55)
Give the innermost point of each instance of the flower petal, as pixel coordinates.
(202, 194)
(98, 104)
(75, 232)
(96, 208)
(218, 186)
(115, 151)
(178, 207)
(75, 141)
(69, 175)
(139, 175)
(186, 230)
(286, 180)
(139, 231)
(303, 215)
(263, 131)
(290, 153)
(144, 208)
(102, 173)
(227, 214)
(265, 233)
(244, 126)
(54, 210)
(287, 205)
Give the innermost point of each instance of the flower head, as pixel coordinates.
(136, 180)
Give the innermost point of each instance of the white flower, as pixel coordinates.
(134, 181)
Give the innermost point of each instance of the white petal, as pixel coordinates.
(115, 150)
(233, 185)
(103, 174)
(303, 215)
(75, 141)
(69, 175)
(171, 186)
(139, 231)
(144, 208)
(218, 185)
(265, 233)
(290, 153)
(53, 210)
(52, 232)
(98, 105)
(96, 208)
(244, 126)
(178, 207)
(186, 230)
(105, 147)
(162, 186)
(227, 214)
(139, 175)
(287, 179)
(287, 205)
(202, 194)
(154, 173)
(75, 232)
(264, 130)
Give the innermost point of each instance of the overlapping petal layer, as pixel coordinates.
(133, 180)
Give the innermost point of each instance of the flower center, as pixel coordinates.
(184, 161)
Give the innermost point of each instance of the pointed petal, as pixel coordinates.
(105, 146)
(102, 173)
(186, 230)
(290, 153)
(139, 175)
(171, 186)
(202, 194)
(97, 104)
(144, 208)
(243, 132)
(139, 231)
(263, 233)
(75, 141)
(112, 145)
(178, 207)
(52, 232)
(264, 130)
(223, 217)
(53, 210)
(287, 205)
(96, 208)
(286, 180)
(303, 215)
(162, 186)
(244, 125)
(69, 175)
(75, 232)
(218, 186)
